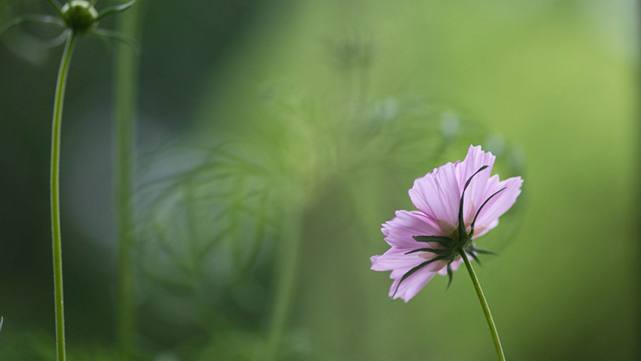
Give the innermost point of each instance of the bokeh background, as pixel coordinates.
(273, 139)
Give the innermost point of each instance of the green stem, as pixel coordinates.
(486, 308)
(56, 235)
(289, 251)
(126, 69)
(192, 228)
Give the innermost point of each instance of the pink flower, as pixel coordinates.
(457, 203)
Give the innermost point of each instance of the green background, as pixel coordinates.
(341, 104)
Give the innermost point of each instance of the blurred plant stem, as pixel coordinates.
(192, 227)
(126, 69)
(486, 308)
(56, 235)
(287, 259)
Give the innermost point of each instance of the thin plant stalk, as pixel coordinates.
(192, 227)
(486, 308)
(56, 234)
(126, 69)
(287, 273)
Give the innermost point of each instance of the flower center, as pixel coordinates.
(79, 15)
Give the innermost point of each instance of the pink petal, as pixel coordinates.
(395, 259)
(410, 286)
(475, 193)
(400, 264)
(497, 206)
(399, 231)
(437, 195)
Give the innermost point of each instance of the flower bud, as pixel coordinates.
(79, 15)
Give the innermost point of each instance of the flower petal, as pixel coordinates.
(400, 230)
(395, 259)
(489, 216)
(410, 286)
(437, 194)
(475, 193)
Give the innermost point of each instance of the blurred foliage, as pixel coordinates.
(211, 217)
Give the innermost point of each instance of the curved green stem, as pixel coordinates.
(486, 308)
(55, 196)
(126, 69)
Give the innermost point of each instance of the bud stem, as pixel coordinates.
(59, 97)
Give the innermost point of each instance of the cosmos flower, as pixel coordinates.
(456, 204)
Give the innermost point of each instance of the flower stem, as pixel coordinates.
(56, 235)
(126, 69)
(486, 308)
